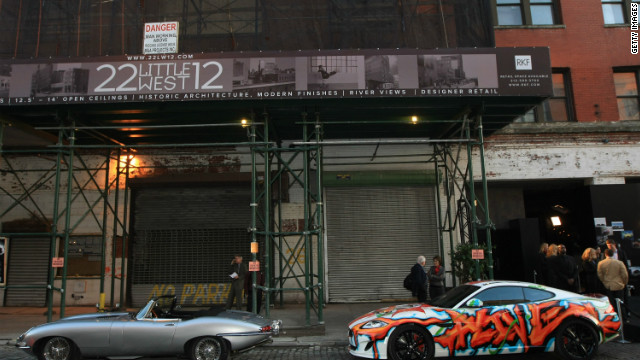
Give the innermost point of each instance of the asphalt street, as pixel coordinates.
(608, 351)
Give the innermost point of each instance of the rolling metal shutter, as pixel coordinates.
(187, 236)
(374, 235)
(28, 266)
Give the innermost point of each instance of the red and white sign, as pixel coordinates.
(160, 38)
(254, 265)
(57, 262)
(477, 254)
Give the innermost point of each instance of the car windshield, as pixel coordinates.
(454, 296)
(141, 314)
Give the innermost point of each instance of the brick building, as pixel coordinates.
(575, 155)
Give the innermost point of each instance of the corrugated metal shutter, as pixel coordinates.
(374, 235)
(28, 266)
(187, 236)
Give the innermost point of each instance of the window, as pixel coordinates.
(526, 12)
(343, 64)
(531, 294)
(626, 84)
(503, 295)
(559, 107)
(616, 11)
(84, 257)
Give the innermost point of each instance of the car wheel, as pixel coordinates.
(57, 348)
(576, 339)
(411, 342)
(208, 348)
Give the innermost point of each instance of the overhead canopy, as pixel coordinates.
(201, 98)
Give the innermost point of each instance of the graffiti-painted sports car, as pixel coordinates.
(490, 317)
(160, 328)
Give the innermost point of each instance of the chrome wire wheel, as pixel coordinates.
(208, 348)
(577, 340)
(57, 348)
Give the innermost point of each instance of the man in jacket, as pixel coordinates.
(614, 276)
(419, 279)
(237, 273)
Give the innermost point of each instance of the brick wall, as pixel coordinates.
(588, 48)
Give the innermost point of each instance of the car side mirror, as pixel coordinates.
(474, 303)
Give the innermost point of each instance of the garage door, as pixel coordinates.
(184, 240)
(374, 235)
(28, 268)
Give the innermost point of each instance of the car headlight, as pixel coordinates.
(374, 324)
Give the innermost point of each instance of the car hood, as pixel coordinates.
(393, 312)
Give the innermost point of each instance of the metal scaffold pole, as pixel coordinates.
(67, 221)
(308, 266)
(254, 215)
(103, 245)
(319, 221)
(472, 199)
(267, 214)
(488, 225)
(54, 228)
(114, 236)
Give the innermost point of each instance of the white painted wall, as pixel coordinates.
(599, 163)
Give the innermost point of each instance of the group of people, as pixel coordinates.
(599, 272)
(427, 283)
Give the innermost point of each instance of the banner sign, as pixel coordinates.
(319, 74)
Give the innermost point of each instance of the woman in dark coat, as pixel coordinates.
(590, 271)
(436, 278)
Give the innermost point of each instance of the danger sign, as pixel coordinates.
(254, 265)
(57, 262)
(160, 38)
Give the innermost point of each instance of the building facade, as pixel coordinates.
(164, 188)
(581, 144)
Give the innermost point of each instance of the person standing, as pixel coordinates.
(614, 276)
(237, 272)
(569, 270)
(540, 267)
(419, 277)
(552, 267)
(618, 253)
(436, 278)
(590, 271)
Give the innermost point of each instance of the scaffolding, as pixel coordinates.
(107, 28)
(275, 168)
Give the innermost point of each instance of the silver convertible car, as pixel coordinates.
(160, 328)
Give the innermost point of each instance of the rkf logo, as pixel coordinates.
(523, 62)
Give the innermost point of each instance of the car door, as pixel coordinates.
(495, 327)
(146, 337)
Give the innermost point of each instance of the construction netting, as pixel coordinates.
(36, 29)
